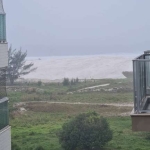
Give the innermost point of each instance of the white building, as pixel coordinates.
(5, 130)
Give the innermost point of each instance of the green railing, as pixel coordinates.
(2, 28)
(3, 83)
(4, 115)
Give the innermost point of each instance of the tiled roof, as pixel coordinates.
(1, 7)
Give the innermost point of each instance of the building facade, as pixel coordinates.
(5, 129)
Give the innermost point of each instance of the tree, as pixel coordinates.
(17, 65)
(87, 131)
(77, 80)
(66, 82)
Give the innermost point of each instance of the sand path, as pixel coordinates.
(79, 103)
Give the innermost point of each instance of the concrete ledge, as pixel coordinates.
(4, 129)
(5, 138)
(140, 122)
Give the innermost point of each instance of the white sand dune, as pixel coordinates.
(83, 67)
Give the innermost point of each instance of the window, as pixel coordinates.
(4, 120)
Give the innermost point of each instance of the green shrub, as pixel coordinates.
(39, 148)
(87, 131)
(147, 135)
(14, 146)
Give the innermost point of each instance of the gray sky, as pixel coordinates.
(78, 27)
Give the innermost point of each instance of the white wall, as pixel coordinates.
(3, 55)
(5, 138)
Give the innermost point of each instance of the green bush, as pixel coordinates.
(39, 148)
(14, 146)
(87, 131)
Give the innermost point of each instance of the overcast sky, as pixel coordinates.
(78, 27)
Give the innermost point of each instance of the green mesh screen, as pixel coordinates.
(4, 121)
(3, 83)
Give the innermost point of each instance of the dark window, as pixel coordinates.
(4, 120)
(3, 83)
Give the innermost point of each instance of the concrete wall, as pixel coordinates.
(3, 55)
(141, 122)
(5, 138)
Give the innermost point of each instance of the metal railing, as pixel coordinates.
(3, 92)
(4, 114)
(141, 82)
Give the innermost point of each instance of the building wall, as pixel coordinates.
(3, 55)
(5, 138)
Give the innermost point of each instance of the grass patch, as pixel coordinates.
(41, 123)
(41, 128)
